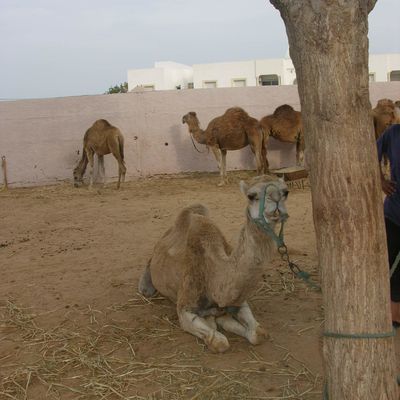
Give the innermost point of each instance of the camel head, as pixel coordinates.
(266, 196)
(189, 117)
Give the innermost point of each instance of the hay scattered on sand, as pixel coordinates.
(100, 360)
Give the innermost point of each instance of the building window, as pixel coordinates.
(239, 82)
(395, 76)
(209, 84)
(190, 85)
(269, 80)
(371, 77)
(148, 87)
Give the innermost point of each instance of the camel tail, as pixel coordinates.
(146, 287)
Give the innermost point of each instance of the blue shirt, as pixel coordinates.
(389, 144)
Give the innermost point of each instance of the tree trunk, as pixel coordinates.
(329, 48)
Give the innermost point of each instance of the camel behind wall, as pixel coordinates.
(101, 138)
(285, 125)
(233, 130)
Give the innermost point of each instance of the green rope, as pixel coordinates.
(357, 336)
(360, 335)
(395, 264)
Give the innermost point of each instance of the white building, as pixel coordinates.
(169, 75)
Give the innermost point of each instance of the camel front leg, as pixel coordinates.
(243, 324)
(201, 328)
(217, 155)
(90, 156)
(223, 168)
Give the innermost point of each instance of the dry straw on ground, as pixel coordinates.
(98, 361)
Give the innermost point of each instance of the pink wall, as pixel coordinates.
(41, 138)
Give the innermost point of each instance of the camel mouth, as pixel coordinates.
(277, 216)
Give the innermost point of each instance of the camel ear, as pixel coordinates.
(243, 187)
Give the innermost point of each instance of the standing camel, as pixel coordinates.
(233, 130)
(195, 267)
(385, 114)
(101, 138)
(285, 125)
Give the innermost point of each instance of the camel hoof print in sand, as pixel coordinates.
(101, 138)
(194, 266)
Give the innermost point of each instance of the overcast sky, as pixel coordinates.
(74, 47)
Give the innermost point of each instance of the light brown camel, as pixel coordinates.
(195, 267)
(385, 114)
(233, 130)
(285, 125)
(101, 138)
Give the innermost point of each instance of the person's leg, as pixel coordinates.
(393, 244)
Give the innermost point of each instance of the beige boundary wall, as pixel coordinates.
(42, 139)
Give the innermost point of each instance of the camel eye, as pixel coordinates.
(252, 196)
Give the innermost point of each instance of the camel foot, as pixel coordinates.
(257, 336)
(222, 183)
(218, 343)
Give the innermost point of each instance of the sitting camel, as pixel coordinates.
(233, 130)
(285, 125)
(385, 114)
(101, 138)
(195, 267)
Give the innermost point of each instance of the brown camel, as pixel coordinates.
(385, 114)
(195, 267)
(101, 138)
(233, 130)
(285, 125)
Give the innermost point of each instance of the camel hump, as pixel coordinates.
(385, 103)
(183, 219)
(283, 110)
(236, 111)
(101, 124)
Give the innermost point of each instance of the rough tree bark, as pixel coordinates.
(329, 48)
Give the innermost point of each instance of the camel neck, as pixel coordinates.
(247, 261)
(198, 134)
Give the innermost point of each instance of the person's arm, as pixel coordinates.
(383, 143)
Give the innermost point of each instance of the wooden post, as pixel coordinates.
(4, 167)
(329, 48)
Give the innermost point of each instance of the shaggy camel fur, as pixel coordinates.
(285, 125)
(385, 114)
(101, 138)
(195, 267)
(233, 130)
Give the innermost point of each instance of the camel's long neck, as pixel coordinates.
(197, 132)
(253, 251)
(83, 162)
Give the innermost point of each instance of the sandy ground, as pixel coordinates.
(72, 325)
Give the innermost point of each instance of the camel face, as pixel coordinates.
(267, 199)
(187, 118)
